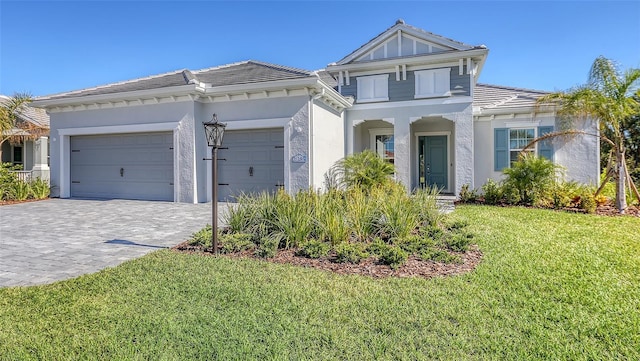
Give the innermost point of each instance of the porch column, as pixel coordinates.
(463, 141)
(402, 151)
(40, 167)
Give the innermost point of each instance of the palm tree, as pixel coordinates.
(11, 127)
(611, 97)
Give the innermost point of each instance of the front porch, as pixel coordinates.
(427, 151)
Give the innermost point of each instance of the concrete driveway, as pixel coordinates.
(56, 239)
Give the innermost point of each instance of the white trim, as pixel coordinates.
(433, 75)
(373, 132)
(449, 160)
(414, 103)
(65, 149)
(372, 79)
(522, 125)
(257, 123)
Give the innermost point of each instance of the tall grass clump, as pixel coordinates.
(330, 220)
(399, 213)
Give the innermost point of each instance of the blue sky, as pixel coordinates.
(56, 46)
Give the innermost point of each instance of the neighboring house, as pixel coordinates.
(410, 95)
(27, 145)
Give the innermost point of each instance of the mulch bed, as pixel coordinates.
(6, 202)
(369, 267)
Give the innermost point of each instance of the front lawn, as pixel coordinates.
(551, 285)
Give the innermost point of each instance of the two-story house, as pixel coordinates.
(409, 95)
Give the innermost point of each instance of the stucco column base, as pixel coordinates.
(402, 151)
(463, 141)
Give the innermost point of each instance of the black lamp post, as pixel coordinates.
(214, 132)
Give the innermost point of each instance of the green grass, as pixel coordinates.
(552, 285)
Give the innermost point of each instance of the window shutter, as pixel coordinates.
(545, 147)
(501, 148)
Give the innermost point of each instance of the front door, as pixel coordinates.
(432, 159)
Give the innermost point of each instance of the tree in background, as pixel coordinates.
(611, 97)
(12, 127)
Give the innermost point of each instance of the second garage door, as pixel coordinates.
(128, 166)
(252, 161)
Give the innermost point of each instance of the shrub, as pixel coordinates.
(531, 177)
(313, 249)
(588, 201)
(8, 179)
(20, 190)
(458, 242)
(202, 237)
(561, 194)
(350, 252)
(492, 192)
(468, 195)
(434, 233)
(40, 188)
(377, 247)
(394, 257)
(414, 244)
(236, 242)
(267, 247)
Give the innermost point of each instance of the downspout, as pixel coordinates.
(312, 99)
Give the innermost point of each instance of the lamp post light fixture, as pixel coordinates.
(214, 131)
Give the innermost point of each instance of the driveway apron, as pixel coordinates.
(56, 239)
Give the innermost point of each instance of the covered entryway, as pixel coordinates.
(433, 162)
(251, 161)
(126, 166)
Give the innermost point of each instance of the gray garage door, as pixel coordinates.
(129, 166)
(252, 162)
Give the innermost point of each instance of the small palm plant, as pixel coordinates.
(364, 170)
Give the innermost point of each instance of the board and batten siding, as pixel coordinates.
(404, 90)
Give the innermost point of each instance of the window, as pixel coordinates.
(382, 143)
(17, 154)
(373, 88)
(518, 139)
(433, 83)
(509, 142)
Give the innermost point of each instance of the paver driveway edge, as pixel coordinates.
(56, 239)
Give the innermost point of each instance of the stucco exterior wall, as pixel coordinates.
(580, 155)
(130, 119)
(327, 142)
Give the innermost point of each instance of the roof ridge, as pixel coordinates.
(282, 67)
(112, 84)
(513, 88)
(195, 72)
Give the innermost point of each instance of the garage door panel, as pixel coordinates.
(253, 162)
(131, 166)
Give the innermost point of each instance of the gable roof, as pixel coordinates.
(487, 97)
(244, 72)
(436, 43)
